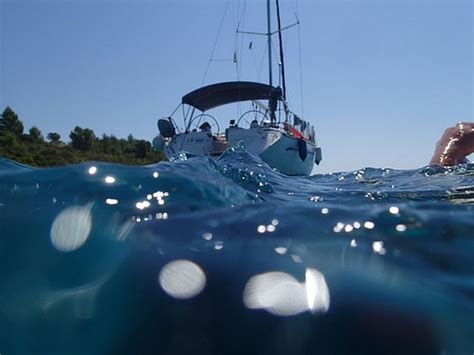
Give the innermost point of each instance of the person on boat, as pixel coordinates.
(455, 145)
(205, 127)
(275, 95)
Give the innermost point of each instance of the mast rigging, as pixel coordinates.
(269, 34)
(281, 49)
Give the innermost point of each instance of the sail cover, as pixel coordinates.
(220, 94)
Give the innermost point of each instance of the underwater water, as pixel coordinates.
(230, 257)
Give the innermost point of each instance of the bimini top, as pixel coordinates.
(220, 94)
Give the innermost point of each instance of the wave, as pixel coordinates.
(189, 255)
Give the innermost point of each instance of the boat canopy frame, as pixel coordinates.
(215, 95)
(220, 94)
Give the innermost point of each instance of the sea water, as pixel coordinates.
(230, 257)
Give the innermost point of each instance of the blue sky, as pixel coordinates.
(381, 79)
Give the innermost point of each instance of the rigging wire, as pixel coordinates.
(242, 20)
(275, 59)
(251, 47)
(294, 7)
(280, 42)
(241, 14)
(215, 43)
(261, 62)
(240, 60)
(255, 62)
(235, 15)
(300, 60)
(287, 95)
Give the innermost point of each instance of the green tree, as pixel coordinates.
(35, 134)
(31, 148)
(142, 148)
(82, 138)
(54, 137)
(110, 144)
(10, 122)
(8, 140)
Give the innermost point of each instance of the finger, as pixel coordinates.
(465, 125)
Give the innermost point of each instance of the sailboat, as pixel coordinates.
(269, 129)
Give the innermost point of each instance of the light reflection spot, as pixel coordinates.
(275, 222)
(109, 179)
(111, 201)
(92, 170)
(207, 236)
(281, 250)
(401, 228)
(142, 205)
(369, 225)
(182, 279)
(325, 210)
(378, 247)
(277, 292)
(282, 295)
(155, 174)
(296, 259)
(394, 210)
(261, 229)
(160, 215)
(338, 227)
(71, 228)
(270, 228)
(317, 292)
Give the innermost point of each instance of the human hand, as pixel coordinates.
(455, 144)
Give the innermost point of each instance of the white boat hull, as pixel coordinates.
(271, 144)
(276, 148)
(284, 155)
(255, 140)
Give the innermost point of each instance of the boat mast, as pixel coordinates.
(282, 62)
(269, 40)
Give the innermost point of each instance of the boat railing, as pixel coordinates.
(196, 122)
(252, 118)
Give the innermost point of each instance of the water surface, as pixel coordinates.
(231, 257)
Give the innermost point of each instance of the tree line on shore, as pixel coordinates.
(32, 148)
